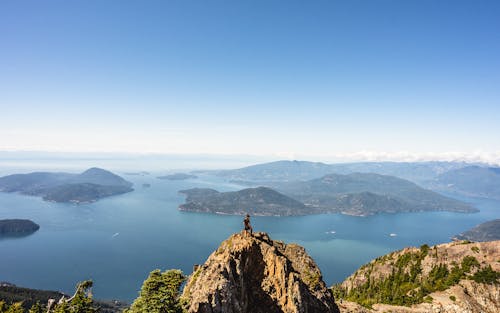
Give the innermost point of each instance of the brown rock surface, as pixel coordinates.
(258, 275)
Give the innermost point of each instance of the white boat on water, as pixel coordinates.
(393, 234)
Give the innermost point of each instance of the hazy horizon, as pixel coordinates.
(249, 159)
(344, 80)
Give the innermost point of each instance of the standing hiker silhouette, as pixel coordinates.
(248, 227)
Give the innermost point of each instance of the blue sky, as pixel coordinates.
(310, 79)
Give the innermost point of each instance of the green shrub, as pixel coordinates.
(486, 276)
(468, 262)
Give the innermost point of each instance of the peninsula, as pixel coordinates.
(486, 231)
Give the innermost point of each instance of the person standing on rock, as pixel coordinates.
(248, 227)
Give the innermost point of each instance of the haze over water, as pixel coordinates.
(117, 241)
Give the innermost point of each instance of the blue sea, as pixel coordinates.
(117, 241)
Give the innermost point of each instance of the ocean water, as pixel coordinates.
(117, 241)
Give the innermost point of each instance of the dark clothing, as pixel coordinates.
(248, 227)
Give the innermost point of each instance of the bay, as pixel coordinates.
(117, 241)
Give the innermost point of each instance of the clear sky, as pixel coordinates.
(358, 79)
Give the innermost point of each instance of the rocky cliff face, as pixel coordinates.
(460, 277)
(258, 275)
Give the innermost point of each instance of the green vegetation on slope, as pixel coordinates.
(406, 285)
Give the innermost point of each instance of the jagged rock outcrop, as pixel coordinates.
(258, 275)
(462, 277)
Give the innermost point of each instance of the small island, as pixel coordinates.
(178, 176)
(487, 231)
(17, 227)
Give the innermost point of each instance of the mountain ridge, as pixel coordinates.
(328, 193)
(285, 170)
(472, 181)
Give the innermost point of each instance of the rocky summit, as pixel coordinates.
(258, 275)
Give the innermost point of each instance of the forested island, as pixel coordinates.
(255, 201)
(17, 227)
(91, 185)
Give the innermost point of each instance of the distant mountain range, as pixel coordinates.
(367, 193)
(255, 201)
(472, 181)
(91, 185)
(354, 194)
(304, 170)
(487, 231)
(177, 176)
(477, 180)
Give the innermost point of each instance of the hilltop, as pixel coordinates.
(259, 275)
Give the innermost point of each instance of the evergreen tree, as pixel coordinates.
(15, 308)
(159, 293)
(3, 306)
(62, 308)
(36, 308)
(81, 302)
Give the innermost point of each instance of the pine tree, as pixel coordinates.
(62, 308)
(159, 293)
(15, 308)
(36, 308)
